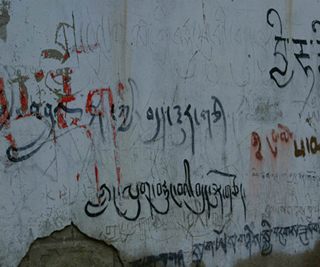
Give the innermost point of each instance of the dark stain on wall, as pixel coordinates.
(310, 258)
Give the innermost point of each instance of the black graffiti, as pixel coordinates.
(167, 259)
(282, 76)
(63, 113)
(263, 240)
(299, 211)
(291, 177)
(277, 53)
(163, 117)
(212, 196)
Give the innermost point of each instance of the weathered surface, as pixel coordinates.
(180, 133)
(69, 247)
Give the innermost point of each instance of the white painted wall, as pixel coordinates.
(251, 65)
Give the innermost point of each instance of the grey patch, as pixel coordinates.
(267, 112)
(4, 19)
(52, 53)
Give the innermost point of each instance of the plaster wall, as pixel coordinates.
(175, 132)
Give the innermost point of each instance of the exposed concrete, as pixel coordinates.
(310, 258)
(70, 247)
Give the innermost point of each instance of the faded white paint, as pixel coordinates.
(165, 53)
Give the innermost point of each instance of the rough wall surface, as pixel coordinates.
(69, 248)
(177, 133)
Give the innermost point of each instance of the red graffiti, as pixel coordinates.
(256, 142)
(66, 98)
(283, 134)
(89, 135)
(275, 137)
(66, 55)
(62, 124)
(12, 141)
(4, 106)
(120, 90)
(39, 75)
(22, 116)
(54, 135)
(101, 112)
(24, 99)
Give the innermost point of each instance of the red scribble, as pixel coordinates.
(286, 135)
(120, 93)
(23, 99)
(96, 44)
(66, 85)
(60, 194)
(89, 102)
(79, 51)
(67, 99)
(40, 74)
(89, 135)
(97, 180)
(256, 142)
(61, 122)
(45, 54)
(275, 137)
(23, 116)
(4, 106)
(52, 75)
(100, 111)
(74, 121)
(12, 141)
(67, 55)
(54, 135)
(78, 176)
(120, 90)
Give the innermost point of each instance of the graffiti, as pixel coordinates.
(312, 147)
(283, 134)
(298, 211)
(55, 115)
(282, 76)
(193, 118)
(61, 33)
(262, 240)
(122, 231)
(277, 53)
(308, 177)
(205, 196)
(167, 259)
